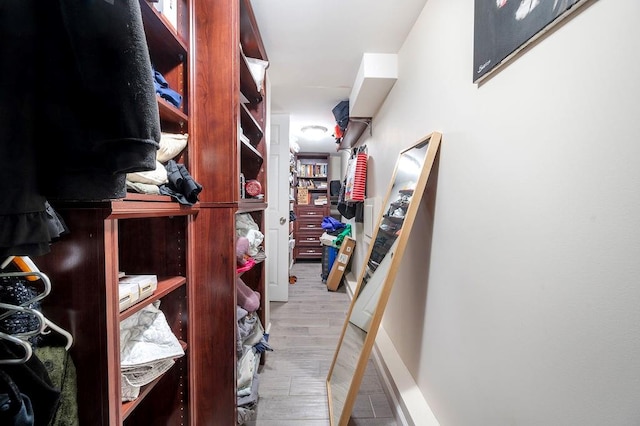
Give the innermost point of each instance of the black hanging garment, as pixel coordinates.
(78, 110)
(32, 379)
(15, 407)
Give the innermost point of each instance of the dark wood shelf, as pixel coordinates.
(165, 286)
(170, 113)
(250, 127)
(164, 42)
(129, 406)
(250, 161)
(248, 205)
(250, 34)
(125, 209)
(307, 226)
(135, 206)
(399, 204)
(248, 85)
(398, 220)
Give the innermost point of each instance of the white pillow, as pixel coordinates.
(153, 177)
(143, 188)
(171, 144)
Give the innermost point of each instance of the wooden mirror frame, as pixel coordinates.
(358, 361)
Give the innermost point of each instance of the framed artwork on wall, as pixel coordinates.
(502, 28)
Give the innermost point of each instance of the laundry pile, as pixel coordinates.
(148, 349)
(251, 337)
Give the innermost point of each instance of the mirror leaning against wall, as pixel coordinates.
(377, 276)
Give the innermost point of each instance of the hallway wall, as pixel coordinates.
(530, 312)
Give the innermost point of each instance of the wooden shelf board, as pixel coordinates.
(169, 112)
(247, 83)
(250, 34)
(135, 206)
(161, 36)
(129, 406)
(247, 147)
(165, 286)
(250, 126)
(249, 205)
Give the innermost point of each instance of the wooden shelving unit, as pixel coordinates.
(190, 249)
(227, 32)
(311, 168)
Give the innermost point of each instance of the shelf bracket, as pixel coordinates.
(366, 121)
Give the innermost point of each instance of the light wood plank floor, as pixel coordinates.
(304, 334)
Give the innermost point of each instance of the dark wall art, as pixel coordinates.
(504, 27)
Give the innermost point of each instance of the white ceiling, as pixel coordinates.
(315, 48)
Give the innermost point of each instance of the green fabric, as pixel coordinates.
(62, 373)
(346, 232)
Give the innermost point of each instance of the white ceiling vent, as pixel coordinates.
(377, 74)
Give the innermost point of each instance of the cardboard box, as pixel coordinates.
(145, 285)
(303, 196)
(340, 263)
(129, 294)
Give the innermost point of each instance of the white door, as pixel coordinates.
(277, 238)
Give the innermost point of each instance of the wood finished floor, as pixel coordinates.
(304, 334)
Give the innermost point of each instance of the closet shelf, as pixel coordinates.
(247, 147)
(135, 206)
(170, 113)
(396, 220)
(313, 189)
(162, 38)
(251, 205)
(250, 33)
(247, 83)
(128, 208)
(250, 127)
(129, 406)
(355, 129)
(165, 286)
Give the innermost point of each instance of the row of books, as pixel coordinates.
(311, 184)
(313, 170)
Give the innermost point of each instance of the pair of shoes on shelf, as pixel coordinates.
(389, 227)
(398, 213)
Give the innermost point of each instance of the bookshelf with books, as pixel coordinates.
(311, 203)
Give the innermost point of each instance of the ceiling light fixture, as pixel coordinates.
(314, 131)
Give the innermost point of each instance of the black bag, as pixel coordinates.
(347, 210)
(341, 114)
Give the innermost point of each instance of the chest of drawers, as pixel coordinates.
(308, 229)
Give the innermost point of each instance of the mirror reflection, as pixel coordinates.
(377, 276)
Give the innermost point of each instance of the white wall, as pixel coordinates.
(335, 167)
(530, 314)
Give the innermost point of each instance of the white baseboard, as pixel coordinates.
(411, 408)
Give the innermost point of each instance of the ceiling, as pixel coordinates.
(315, 48)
